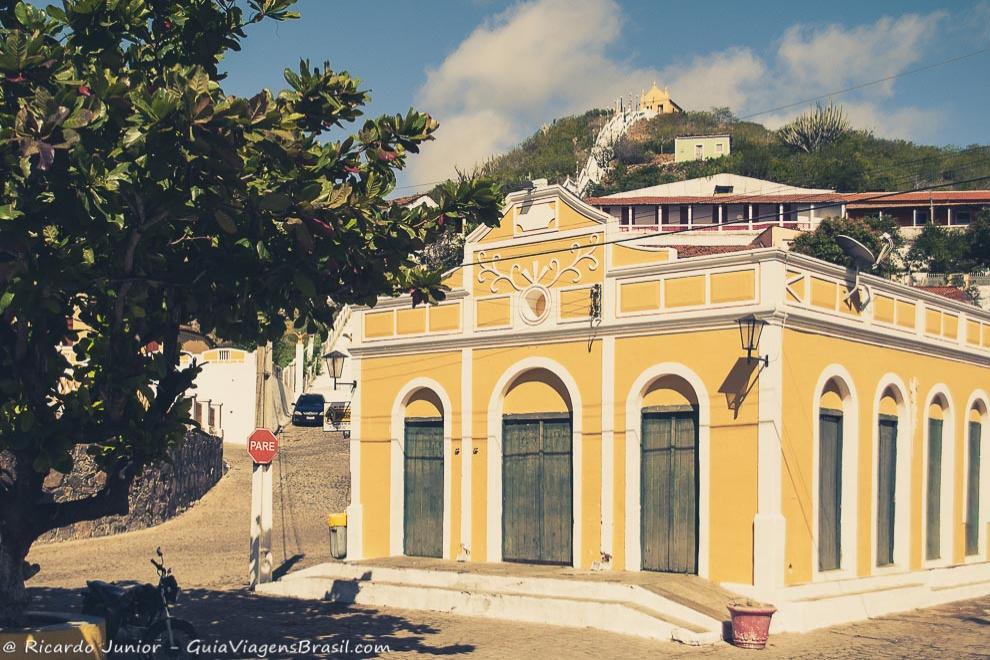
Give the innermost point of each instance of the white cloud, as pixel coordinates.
(547, 58)
(529, 64)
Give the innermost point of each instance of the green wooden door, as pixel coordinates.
(537, 511)
(886, 488)
(973, 491)
(829, 490)
(933, 512)
(669, 489)
(423, 517)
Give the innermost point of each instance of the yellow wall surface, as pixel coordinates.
(444, 318)
(385, 377)
(379, 324)
(568, 266)
(627, 255)
(806, 356)
(575, 303)
(639, 296)
(493, 312)
(410, 321)
(712, 355)
(733, 286)
(684, 291)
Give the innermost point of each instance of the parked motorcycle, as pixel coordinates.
(138, 619)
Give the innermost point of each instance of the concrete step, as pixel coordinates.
(619, 608)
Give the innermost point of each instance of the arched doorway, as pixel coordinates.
(938, 479)
(669, 477)
(836, 458)
(892, 476)
(537, 470)
(419, 516)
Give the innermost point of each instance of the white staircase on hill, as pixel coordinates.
(595, 168)
(611, 606)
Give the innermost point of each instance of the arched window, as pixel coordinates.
(887, 452)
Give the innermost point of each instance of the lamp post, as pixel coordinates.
(750, 329)
(335, 366)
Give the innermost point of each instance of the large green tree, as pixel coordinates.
(821, 242)
(138, 196)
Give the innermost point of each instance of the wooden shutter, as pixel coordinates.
(886, 489)
(423, 486)
(829, 490)
(973, 490)
(933, 514)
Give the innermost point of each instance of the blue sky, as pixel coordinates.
(492, 71)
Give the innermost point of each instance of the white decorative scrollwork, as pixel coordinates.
(536, 274)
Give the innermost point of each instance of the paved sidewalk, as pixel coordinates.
(207, 548)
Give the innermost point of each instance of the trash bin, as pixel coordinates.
(337, 522)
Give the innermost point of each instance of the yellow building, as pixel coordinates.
(658, 100)
(584, 402)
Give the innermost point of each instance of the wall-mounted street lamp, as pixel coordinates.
(335, 366)
(750, 329)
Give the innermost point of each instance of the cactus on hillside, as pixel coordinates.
(819, 127)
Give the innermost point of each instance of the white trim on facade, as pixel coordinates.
(494, 467)
(397, 463)
(634, 404)
(355, 520)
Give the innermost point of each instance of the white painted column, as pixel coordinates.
(355, 520)
(780, 215)
(690, 215)
(749, 216)
(467, 450)
(720, 218)
(948, 215)
(914, 217)
(608, 453)
(811, 216)
(769, 527)
(300, 374)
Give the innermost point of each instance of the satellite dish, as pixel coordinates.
(861, 255)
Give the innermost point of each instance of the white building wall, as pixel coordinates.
(231, 383)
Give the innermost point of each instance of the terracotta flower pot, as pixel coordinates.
(751, 625)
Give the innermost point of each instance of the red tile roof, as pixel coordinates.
(955, 293)
(688, 251)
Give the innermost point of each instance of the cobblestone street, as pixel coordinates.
(207, 548)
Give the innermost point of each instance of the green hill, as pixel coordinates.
(857, 162)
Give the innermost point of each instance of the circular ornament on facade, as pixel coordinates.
(535, 304)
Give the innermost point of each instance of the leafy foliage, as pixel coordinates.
(821, 242)
(940, 250)
(815, 129)
(136, 195)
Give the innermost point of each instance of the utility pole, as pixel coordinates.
(260, 567)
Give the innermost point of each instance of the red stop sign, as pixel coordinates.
(262, 446)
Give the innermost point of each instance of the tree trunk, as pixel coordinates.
(13, 595)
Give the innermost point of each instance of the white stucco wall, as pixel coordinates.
(231, 383)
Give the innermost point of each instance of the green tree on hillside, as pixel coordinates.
(821, 242)
(138, 196)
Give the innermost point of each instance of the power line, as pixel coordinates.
(878, 81)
